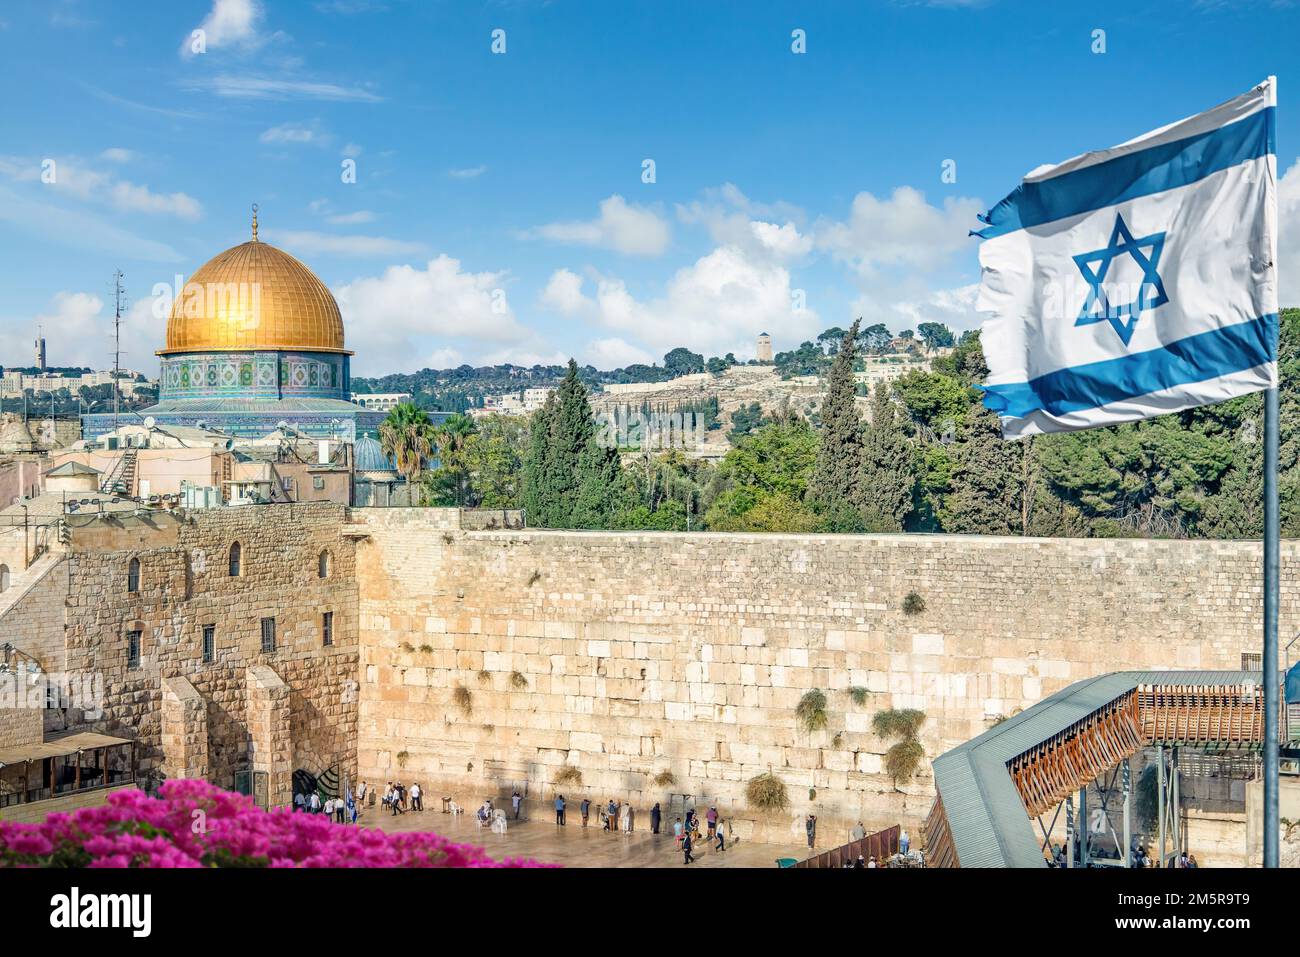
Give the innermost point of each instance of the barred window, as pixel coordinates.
(133, 575)
(327, 628)
(268, 634)
(133, 649)
(209, 643)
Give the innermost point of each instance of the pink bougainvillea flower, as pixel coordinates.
(196, 824)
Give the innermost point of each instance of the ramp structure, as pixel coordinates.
(992, 788)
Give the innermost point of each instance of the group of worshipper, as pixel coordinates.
(396, 798)
(336, 809)
(687, 833)
(614, 817)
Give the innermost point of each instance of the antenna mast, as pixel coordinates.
(117, 342)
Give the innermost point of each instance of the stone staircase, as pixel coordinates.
(21, 582)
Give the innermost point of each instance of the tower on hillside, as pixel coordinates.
(764, 347)
(40, 350)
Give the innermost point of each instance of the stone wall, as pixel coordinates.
(630, 654)
(184, 585)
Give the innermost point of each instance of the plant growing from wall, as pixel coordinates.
(464, 700)
(767, 793)
(534, 578)
(407, 646)
(426, 648)
(903, 726)
(810, 712)
(858, 695)
(664, 779)
(401, 758)
(569, 776)
(838, 739)
(518, 680)
(484, 677)
(913, 604)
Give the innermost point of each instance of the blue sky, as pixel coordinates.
(499, 211)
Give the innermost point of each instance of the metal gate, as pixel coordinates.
(254, 783)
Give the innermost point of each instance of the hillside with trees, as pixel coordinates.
(929, 457)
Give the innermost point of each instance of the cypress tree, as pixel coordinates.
(537, 464)
(888, 466)
(570, 480)
(835, 487)
(987, 496)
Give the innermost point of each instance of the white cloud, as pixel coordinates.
(116, 154)
(444, 359)
(1288, 237)
(761, 230)
(621, 226)
(955, 308)
(78, 331)
(526, 355)
(79, 229)
(70, 177)
(133, 198)
(469, 172)
(388, 316)
(563, 292)
(784, 242)
(291, 133)
(228, 23)
(351, 150)
(717, 305)
(268, 88)
(614, 353)
(309, 242)
(351, 219)
(901, 231)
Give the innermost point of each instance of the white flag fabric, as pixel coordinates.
(1138, 280)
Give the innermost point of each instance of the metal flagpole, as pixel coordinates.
(1272, 568)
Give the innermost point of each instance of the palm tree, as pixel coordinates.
(406, 435)
(452, 439)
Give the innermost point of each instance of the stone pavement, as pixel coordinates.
(576, 846)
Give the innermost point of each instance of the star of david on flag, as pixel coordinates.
(1138, 280)
(1095, 265)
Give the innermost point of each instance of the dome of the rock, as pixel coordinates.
(254, 296)
(254, 340)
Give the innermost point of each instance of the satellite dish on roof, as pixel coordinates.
(201, 424)
(149, 422)
(282, 425)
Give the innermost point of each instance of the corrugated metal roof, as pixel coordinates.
(989, 823)
(59, 747)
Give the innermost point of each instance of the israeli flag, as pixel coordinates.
(1138, 280)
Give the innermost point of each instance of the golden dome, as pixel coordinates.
(254, 296)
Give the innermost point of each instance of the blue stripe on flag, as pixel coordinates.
(1143, 173)
(1206, 355)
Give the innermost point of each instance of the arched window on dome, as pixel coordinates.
(323, 565)
(133, 575)
(236, 560)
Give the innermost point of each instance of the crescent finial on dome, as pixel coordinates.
(255, 222)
